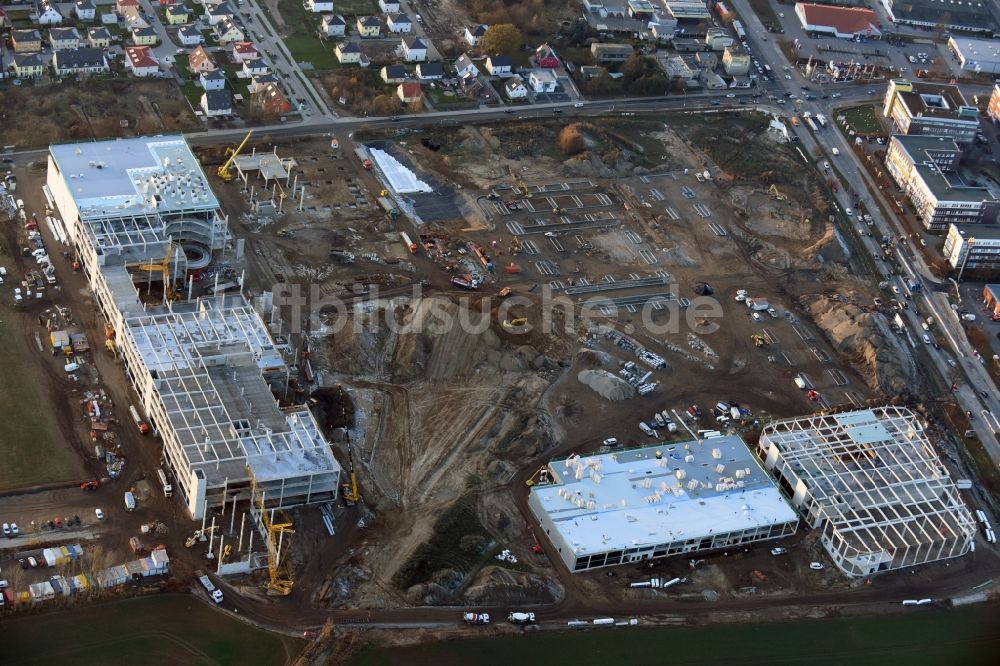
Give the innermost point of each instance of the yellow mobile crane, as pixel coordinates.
(350, 490)
(232, 154)
(279, 536)
(163, 268)
(521, 186)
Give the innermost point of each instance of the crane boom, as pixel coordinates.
(224, 172)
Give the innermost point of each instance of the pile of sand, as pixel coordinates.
(607, 385)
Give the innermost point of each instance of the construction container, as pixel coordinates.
(41, 591)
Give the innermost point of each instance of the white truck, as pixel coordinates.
(521, 618)
(213, 591)
(129, 501)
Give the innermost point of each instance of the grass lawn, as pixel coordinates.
(311, 49)
(160, 629)
(440, 99)
(864, 120)
(964, 636)
(32, 449)
(358, 7)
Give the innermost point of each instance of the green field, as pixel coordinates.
(32, 449)
(864, 120)
(161, 629)
(969, 636)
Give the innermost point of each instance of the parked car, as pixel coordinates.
(99, 513)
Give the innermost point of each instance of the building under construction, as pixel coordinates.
(670, 499)
(139, 211)
(871, 483)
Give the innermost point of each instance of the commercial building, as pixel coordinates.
(993, 110)
(973, 250)
(670, 499)
(692, 10)
(606, 54)
(991, 299)
(735, 62)
(967, 15)
(925, 168)
(870, 482)
(981, 56)
(204, 369)
(930, 108)
(843, 22)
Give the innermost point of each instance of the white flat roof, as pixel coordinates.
(401, 179)
(126, 177)
(631, 498)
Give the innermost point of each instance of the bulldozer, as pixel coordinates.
(759, 340)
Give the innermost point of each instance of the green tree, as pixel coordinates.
(503, 39)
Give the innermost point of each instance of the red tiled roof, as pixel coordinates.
(245, 47)
(411, 89)
(845, 20)
(141, 56)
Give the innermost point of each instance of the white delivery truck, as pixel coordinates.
(129, 501)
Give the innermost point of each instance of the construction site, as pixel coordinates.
(461, 366)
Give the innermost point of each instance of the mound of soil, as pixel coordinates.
(499, 585)
(866, 338)
(607, 385)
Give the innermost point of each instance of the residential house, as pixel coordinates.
(26, 41)
(144, 36)
(369, 26)
(389, 6)
(545, 56)
(227, 32)
(61, 39)
(333, 25)
(399, 23)
(257, 83)
(80, 61)
(348, 53)
(515, 88)
(85, 10)
(409, 93)
(430, 71)
(216, 103)
(591, 72)
(475, 33)
(542, 80)
(212, 80)
(470, 86)
(499, 65)
(414, 49)
(108, 17)
(190, 35)
(135, 21)
(268, 100)
(141, 61)
(253, 68)
(606, 54)
(177, 15)
(394, 73)
(199, 61)
(243, 51)
(464, 66)
(168, 3)
(98, 38)
(48, 14)
(317, 6)
(125, 7)
(28, 65)
(216, 13)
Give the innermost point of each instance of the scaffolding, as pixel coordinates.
(871, 482)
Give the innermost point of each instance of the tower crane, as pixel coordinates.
(224, 172)
(162, 267)
(350, 490)
(278, 541)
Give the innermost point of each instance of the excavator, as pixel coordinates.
(224, 170)
(776, 193)
(514, 323)
(759, 340)
(521, 186)
(350, 490)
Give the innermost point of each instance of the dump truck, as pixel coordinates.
(213, 592)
